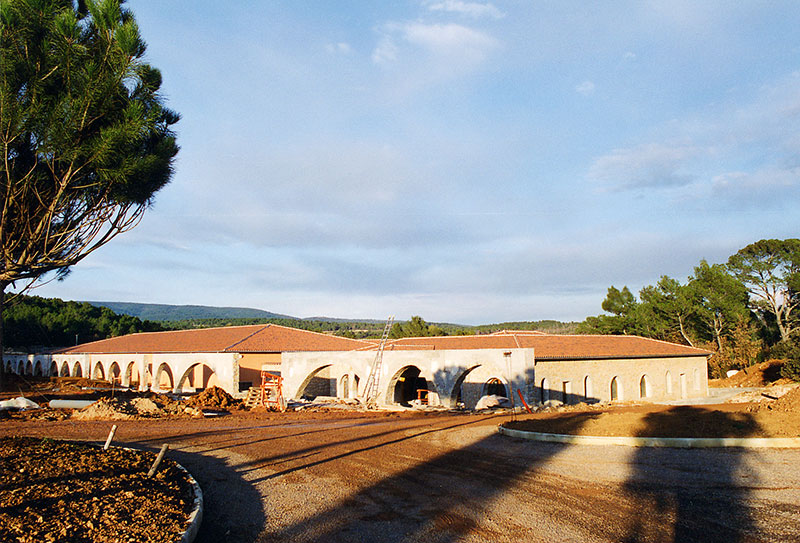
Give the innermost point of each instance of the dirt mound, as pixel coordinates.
(213, 397)
(788, 403)
(119, 409)
(757, 375)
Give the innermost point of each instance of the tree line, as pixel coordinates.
(32, 323)
(744, 310)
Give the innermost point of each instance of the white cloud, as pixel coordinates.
(471, 9)
(416, 56)
(586, 88)
(340, 48)
(441, 40)
(765, 186)
(450, 40)
(385, 51)
(644, 166)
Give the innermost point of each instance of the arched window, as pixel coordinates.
(545, 390)
(616, 390)
(644, 387)
(668, 379)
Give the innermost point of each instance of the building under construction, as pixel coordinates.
(448, 371)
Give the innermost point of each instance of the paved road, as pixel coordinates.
(453, 478)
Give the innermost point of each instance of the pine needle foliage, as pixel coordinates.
(86, 140)
(85, 136)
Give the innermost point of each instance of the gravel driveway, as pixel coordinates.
(446, 478)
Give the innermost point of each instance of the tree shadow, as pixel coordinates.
(232, 507)
(422, 503)
(691, 494)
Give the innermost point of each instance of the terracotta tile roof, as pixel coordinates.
(271, 338)
(274, 338)
(255, 338)
(556, 347)
(518, 333)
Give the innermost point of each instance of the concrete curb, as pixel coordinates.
(196, 516)
(675, 442)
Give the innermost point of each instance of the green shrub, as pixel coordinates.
(791, 369)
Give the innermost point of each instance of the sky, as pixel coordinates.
(469, 162)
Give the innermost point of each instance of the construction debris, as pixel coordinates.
(19, 403)
(491, 401)
(213, 397)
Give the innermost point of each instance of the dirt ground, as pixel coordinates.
(757, 375)
(58, 491)
(780, 418)
(444, 477)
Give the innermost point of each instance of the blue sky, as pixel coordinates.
(469, 162)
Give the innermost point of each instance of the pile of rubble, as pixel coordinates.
(140, 407)
(214, 398)
(785, 398)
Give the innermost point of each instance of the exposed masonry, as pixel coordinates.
(442, 371)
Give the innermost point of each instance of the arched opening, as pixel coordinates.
(37, 369)
(28, 368)
(132, 378)
(469, 387)
(164, 378)
(616, 390)
(696, 379)
(683, 384)
(77, 370)
(64, 369)
(545, 390)
(98, 373)
(344, 386)
(668, 382)
(644, 387)
(404, 386)
(587, 388)
(198, 377)
(318, 383)
(8, 366)
(53, 369)
(495, 386)
(114, 373)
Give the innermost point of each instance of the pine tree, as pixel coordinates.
(86, 139)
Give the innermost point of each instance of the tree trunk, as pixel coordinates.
(683, 332)
(3, 285)
(718, 333)
(781, 328)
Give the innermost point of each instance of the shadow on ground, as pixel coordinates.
(421, 503)
(691, 495)
(232, 506)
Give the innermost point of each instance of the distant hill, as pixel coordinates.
(164, 312)
(334, 319)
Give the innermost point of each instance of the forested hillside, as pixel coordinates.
(31, 322)
(165, 312)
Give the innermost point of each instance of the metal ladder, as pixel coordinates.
(371, 388)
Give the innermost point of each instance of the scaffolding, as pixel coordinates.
(270, 394)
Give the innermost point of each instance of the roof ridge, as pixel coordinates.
(183, 331)
(318, 333)
(263, 327)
